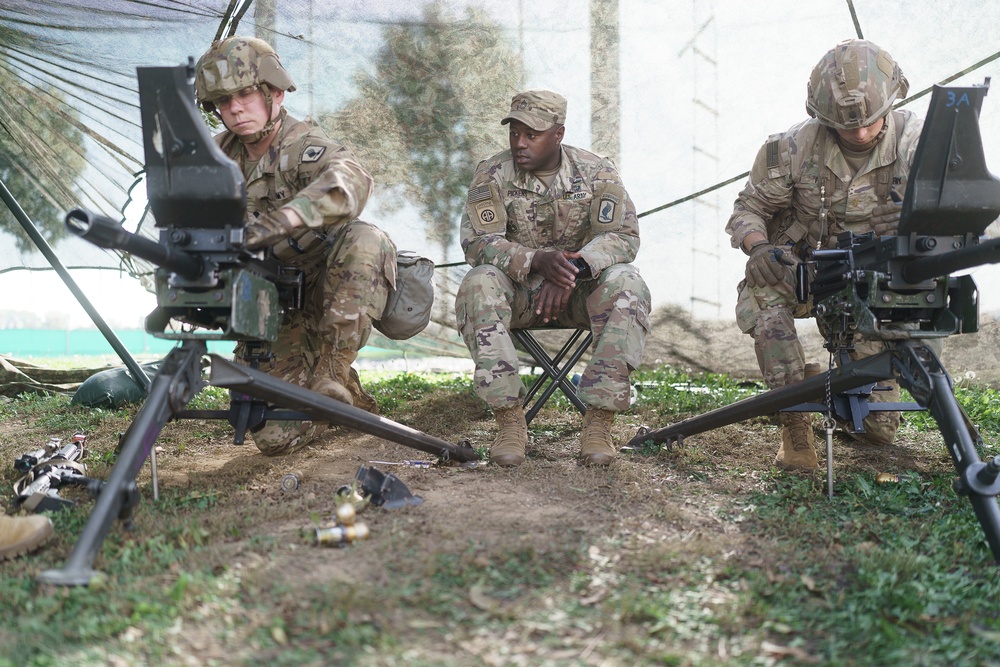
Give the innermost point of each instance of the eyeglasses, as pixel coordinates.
(242, 96)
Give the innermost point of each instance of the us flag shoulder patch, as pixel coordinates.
(772, 154)
(479, 193)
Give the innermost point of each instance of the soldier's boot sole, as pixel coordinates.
(20, 535)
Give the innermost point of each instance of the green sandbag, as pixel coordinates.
(113, 387)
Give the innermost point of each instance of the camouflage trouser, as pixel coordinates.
(768, 314)
(342, 296)
(614, 306)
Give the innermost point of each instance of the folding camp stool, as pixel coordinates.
(554, 369)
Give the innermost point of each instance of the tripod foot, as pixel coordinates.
(69, 577)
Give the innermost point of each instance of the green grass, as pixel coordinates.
(881, 575)
(673, 392)
(894, 574)
(678, 392)
(982, 404)
(392, 392)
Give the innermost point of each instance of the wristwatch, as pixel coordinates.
(582, 265)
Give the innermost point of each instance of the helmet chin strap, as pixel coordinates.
(871, 143)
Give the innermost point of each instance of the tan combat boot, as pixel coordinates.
(512, 439)
(329, 378)
(21, 534)
(361, 397)
(596, 448)
(797, 450)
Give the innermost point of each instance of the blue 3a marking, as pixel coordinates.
(955, 101)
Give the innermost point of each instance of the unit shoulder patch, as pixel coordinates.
(313, 152)
(607, 211)
(486, 210)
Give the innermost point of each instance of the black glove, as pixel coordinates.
(266, 230)
(768, 265)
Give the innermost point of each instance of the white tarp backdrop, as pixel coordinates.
(701, 84)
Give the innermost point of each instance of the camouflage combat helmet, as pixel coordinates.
(854, 85)
(234, 64)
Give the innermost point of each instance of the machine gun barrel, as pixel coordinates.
(926, 268)
(104, 232)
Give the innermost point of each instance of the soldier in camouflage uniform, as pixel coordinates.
(550, 233)
(843, 169)
(304, 194)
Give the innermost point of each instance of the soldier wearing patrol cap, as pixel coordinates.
(550, 233)
(304, 195)
(843, 169)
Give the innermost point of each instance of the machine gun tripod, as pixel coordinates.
(174, 385)
(246, 412)
(920, 372)
(898, 289)
(852, 406)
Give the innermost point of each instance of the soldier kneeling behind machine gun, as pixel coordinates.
(899, 289)
(215, 289)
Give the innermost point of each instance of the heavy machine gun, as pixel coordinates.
(208, 286)
(901, 289)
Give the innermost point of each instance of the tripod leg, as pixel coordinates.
(961, 446)
(240, 409)
(321, 408)
(988, 514)
(178, 380)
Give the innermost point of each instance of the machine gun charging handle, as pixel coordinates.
(802, 282)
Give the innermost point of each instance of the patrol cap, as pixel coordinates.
(538, 109)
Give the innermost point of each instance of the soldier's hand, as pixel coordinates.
(267, 229)
(551, 301)
(556, 267)
(768, 265)
(885, 218)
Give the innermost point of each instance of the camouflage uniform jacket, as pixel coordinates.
(306, 171)
(511, 214)
(800, 175)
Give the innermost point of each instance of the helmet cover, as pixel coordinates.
(235, 63)
(854, 85)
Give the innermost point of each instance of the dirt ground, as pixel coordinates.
(684, 504)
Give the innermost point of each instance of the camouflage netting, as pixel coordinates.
(679, 97)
